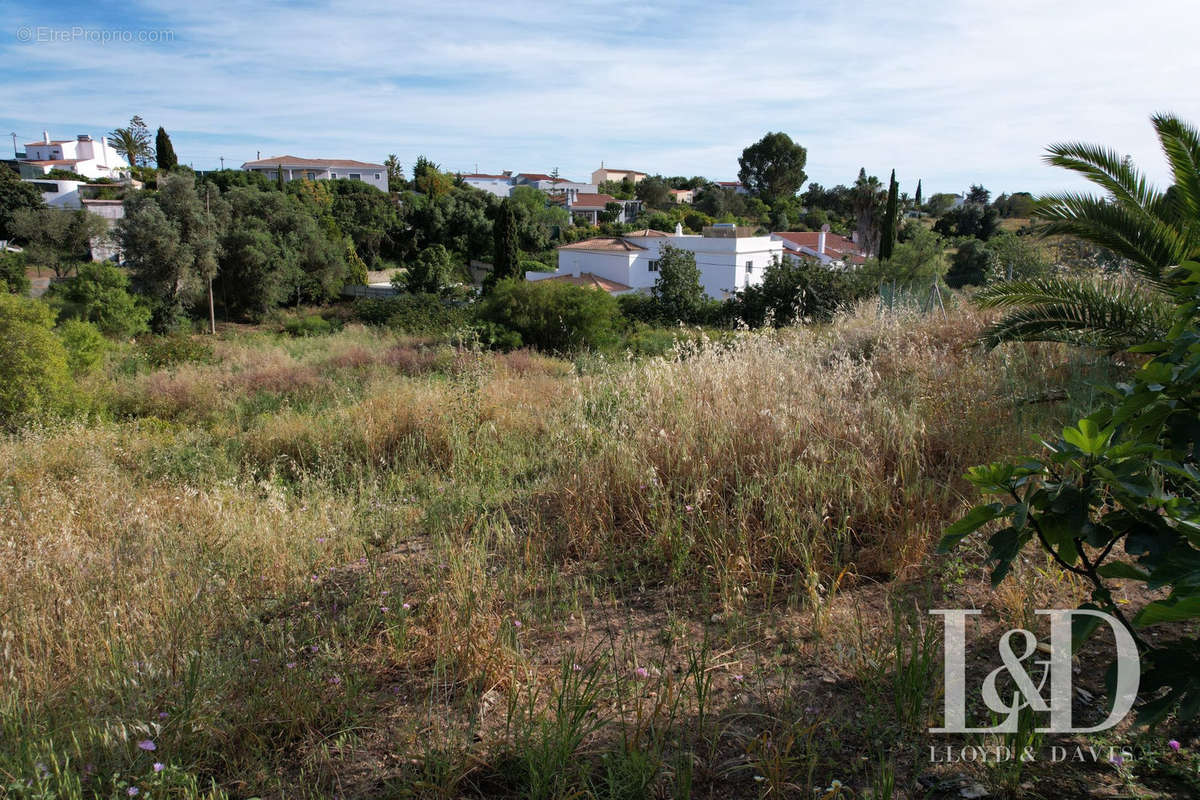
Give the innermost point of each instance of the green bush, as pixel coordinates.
(423, 314)
(99, 294)
(84, 343)
(553, 316)
(640, 308)
(175, 348)
(34, 377)
(793, 290)
(12, 273)
(311, 325)
(1117, 497)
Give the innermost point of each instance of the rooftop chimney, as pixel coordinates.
(821, 239)
(45, 137)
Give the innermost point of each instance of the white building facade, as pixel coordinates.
(728, 259)
(320, 169)
(83, 155)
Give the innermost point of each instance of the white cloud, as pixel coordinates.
(953, 93)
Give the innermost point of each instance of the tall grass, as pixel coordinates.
(250, 561)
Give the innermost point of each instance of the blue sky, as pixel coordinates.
(954, 92)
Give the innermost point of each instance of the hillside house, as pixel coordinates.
(729, 259)
(606, 174)
(319, 169)
(683, 195)
(83, 155)
(828, 248)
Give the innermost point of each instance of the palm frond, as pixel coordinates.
(1108, 314)
(1148, 241)
(1181, 145)
(1106, 168)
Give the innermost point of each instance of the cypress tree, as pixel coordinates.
(506, 256)
(887, 239)
(164, 153)
(917, 198)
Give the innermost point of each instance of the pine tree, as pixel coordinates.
(917, 198)
(887, 238)
(164, 153)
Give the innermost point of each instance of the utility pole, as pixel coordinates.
(212, 314)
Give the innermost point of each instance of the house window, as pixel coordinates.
(310, 175)
(652, 266)
(749, 267)
(376, 176)
(354, 176)
(332, 174)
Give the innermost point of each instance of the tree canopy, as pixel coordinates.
(773, 167)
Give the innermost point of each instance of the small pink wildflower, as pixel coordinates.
(517, 623)
(576, 668)
(384, 609)
(335, 680)
(1174, 745)
(687, 508)
(739, 678)
(132, 791)
(291, 665)
(315, 648)
(163, 715)
(642, 672)
(147, 745)
(1118, 760)
(158, 766)
(406, 607)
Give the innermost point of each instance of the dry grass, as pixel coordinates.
(279, 506)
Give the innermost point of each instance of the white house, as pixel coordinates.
(500, 185)
(827, 248)
(317, 169)
(83, 155)
(735, 185)
(729, 258)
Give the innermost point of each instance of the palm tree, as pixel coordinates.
(132, 142)
(1153, 230)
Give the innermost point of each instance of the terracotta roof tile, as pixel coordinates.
(591, 281)
(609, 243)
(589, 201)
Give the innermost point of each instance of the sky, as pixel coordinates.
(952, 93)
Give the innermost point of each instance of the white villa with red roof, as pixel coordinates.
(827, 248)
(83, 155)
(317, 169)
(729, 259)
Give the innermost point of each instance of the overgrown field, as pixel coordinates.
(360, 565)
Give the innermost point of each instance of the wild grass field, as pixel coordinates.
(363, 565)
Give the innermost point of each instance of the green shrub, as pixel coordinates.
(553, 316)
(1117, 497)
(175, 348)
(34, 377)
(84, 343)
(99, 294)
(12, 273)
(793, 290)
(640, 307)
(311, 325)
(424, 314)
